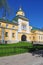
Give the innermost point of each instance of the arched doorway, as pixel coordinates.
(23, 38)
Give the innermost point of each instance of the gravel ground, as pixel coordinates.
(22, 59)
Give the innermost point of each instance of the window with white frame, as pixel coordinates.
(13, 26)
(12, 34)
(6, 25)
(39, 37)
(6, 34)
(23, 27)
(0, 24)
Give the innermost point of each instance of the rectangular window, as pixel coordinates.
(23, 27)
(39, 37)
(13, 27)
(0, 24)
(6, 34)
(12, 34)
(6, 25)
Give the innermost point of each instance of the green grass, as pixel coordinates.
(16, 44)
(39, 47)
(18, 48)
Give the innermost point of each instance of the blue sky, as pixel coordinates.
(32, 8)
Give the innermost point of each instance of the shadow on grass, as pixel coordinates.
(37, 50)
(6, 50)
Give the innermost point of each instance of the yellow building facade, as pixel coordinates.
(19, 30)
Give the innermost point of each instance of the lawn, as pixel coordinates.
(16, 48)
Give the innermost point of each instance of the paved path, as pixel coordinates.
(21, 59)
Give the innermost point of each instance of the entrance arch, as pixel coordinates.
(23, 38)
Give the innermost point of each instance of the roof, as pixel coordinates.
(21, 17)
(35, 28)
(7, 21)
(20, 9)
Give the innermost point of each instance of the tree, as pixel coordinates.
(4, 4)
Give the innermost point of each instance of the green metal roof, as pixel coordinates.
(21, 17)
(35, 28)
(4, 20)
(7, 21)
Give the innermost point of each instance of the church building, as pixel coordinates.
(19, 30)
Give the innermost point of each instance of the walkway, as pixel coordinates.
(21, 59)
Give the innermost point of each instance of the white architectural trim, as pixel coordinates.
(10, 35)
(19, 26)
(17, 35)
(2, 35)
(28, 30)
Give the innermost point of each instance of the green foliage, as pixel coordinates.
(39, 47)
(4, 4)
(16, 48)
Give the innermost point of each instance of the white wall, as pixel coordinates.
(19, 26)
(27, 25)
